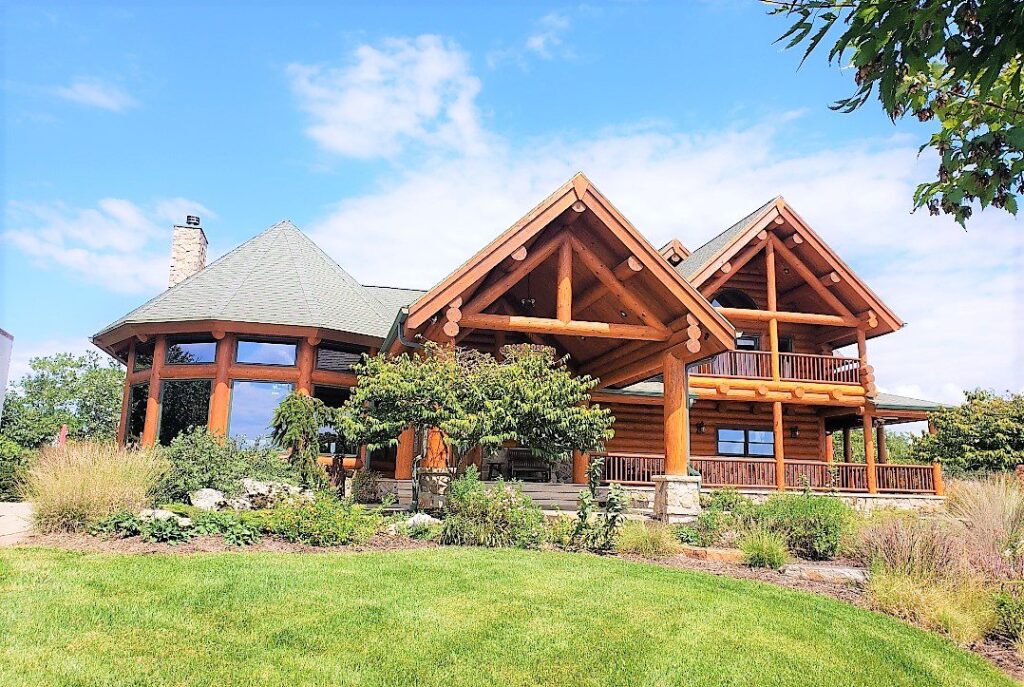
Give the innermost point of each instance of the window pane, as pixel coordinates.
(761, 450)
(730, 435)
(191, 352)
(728, 448)
(265, 353)
(333, 397)
(747, 343)
(252, 407)
(143, 356)
(761, 436)
(137, 396)
(337, 358)
(184, 404)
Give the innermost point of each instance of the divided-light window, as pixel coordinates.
(754, 443)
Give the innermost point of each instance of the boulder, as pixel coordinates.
(161, 514)
(266, 494)
(206, 499)
(420, 519)
(826, 573)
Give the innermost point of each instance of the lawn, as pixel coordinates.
(437, 617)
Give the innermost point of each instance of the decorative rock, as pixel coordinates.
(825, 573)
(206, 499)
(420, 519)
(266, 494)
(676, 498)
(161, 514)
(238, 503)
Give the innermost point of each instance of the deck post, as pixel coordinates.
(883, 450)
(940, 487)
(404, 454)
(221, 398)
(580, 463)
(869, 454)
(305, 360)
(676, 493)
(149, 430)
(780, 451)
(122, 428)
(773, 306)
(829, 447)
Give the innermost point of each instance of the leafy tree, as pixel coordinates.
(956, 63)
(81, 391)
(897, 443)
(985, 433)
(296, 426)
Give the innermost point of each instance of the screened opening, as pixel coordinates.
(184, 404)
(733, 298)
(252, 407)
(191, 351)
(755, 443)
(137, 396)
(337, 357)
(254, 352)
(143, 356)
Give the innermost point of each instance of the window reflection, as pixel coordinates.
(265, 353)
(746, 442)
(184, 404)
(333, 397)
(191, 351)
(252, 407)
(143, 356)
(137, 397)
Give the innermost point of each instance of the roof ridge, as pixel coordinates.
(312, 305)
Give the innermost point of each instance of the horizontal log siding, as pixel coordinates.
(640, 428)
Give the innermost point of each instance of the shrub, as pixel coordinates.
(327, 521)
(366, 487)
(236, 528)
(13, 466)
(168, 531)
(1010, 614)
(120, 524)
(199, 459)
(962, 609)
(712, 527)
(728, 499)
(813, 526)
(593, 529)
(906, 544)
(763, 549)
(74, 484)
(989, 516)
(647, 539)
(501, 516)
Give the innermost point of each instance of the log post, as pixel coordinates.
(221, 399)
(773, 305)
(122, 428)
(869, 454)
(940, 487)
(564, 293)
(883, 450)
(829, 447)
(677, 420)
(580, 463)
(437, 452)
(304, 361)
(404, 454)
(780, 452)
(149, 430)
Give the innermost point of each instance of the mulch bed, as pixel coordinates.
(998, 653)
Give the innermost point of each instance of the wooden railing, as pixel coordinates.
(759, 473)
(798, 367)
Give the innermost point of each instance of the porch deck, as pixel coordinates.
(761, 473)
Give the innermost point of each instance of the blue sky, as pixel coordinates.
(383, 129)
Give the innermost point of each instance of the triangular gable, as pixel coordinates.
(710, 270)
(674, 251)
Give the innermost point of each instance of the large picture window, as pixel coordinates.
(252, 352)
(184, 404)
(252, 407)
(191, 351)
(137, 397)
(756, 443)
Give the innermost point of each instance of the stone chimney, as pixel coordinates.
(188, 250)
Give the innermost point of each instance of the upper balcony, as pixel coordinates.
(793, 367)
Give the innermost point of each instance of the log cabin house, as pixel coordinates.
(721, 362)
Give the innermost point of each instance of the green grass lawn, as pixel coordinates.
(437, 617)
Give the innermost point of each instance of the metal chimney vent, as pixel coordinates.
(192, 221)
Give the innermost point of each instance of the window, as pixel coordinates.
(143, 356)
(733, 298)
(748, 342)
(184, 404)
(746, 442)
(786, 344)
(252, 407)
(333, 397)
(137, 397)
(337, 357)
(265, 353)
(191, 351)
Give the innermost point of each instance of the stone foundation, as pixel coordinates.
(433, 484)
(867, 503)
(676, 498)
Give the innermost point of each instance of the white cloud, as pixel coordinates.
(406, 92)
(23, 351)
(96, 93)
(119, 245)
(546, 41)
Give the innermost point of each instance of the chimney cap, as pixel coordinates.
(192, 220)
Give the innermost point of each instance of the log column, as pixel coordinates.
(829, 447)
(883, 450)
(677, 416)
(122, 429)
(221, 400)
(869, 453)
(149, 430)
(437, 451)
(777, 437)
(404, 454)
(773, 306)
(580, 463)
(304, 361)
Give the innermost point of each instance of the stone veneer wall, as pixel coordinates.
(188, 253)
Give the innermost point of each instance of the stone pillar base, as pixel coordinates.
(676, 498)
(433, 484)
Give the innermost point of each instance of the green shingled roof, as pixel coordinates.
(894, 402)
(277, 277)
(706, 253)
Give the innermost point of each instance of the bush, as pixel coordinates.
(168, 531)
(366, 487)
(813, 526)
(1010, 614)
(327, 521)
(236, 528)
(199, 459)
(989, 516)
(763, 549)
(963, 609)
(712, 527)
(75, 484)
(906, 544)
(119, 525)
(501, 516)
(647, 539)
(728, 499)
(13, 466)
